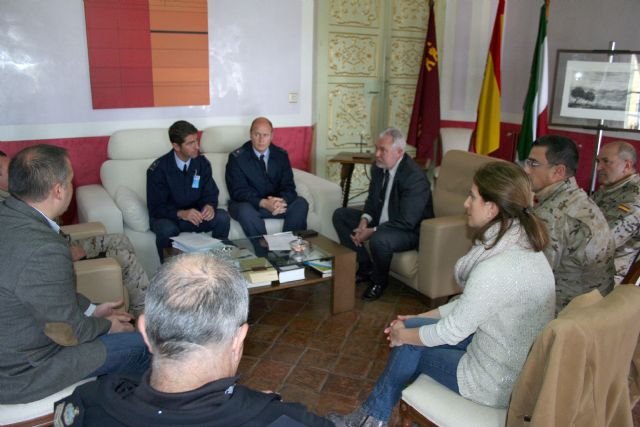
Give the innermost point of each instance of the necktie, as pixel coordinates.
(383, 192)
(184, 169)
(263, 164)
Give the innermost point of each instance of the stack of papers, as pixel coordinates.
(280, 241)
(195, 242)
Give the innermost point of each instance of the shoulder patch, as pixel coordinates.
(277, 148)
(204, 159)
(237, 152)
(154, 165)
(624, 207)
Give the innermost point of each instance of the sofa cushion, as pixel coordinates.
(134, 211)
(138, 144)
(223, 139)
(303, 191)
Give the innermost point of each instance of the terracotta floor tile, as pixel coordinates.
(284, 353)
(377, 368)
(295, 338)
(328, 402)
(353, 366)
(342, 385)
(262, 332)
(275, 319)
(304, 324)
(255, 348)
(271, 371)
(286, 306)
(247, 363)
(318, 359)
(328, 343)
(292, 393)
(301, 294)
(310, 378)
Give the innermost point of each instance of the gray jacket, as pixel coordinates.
(46, 341)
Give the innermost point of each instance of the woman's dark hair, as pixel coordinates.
(509, 187)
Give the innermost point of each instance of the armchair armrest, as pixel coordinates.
(327, 197)
(84, 230)
(100, 280)
(443, 241)
(95, 204)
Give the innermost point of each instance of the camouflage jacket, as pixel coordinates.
(580, 248)
(620, 204)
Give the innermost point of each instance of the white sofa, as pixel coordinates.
(120, 202)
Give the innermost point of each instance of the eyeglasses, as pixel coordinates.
(533, 163)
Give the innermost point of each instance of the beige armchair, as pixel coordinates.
(99, 279)
(445, 238)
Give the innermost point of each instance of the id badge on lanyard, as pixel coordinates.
(196, 181)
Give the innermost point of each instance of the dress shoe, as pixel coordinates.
(373, 292)
(357, 418)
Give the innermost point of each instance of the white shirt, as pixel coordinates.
(384, 216)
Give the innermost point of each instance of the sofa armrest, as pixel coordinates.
(95, 204)
(84, 230)
(443, 241)
(100, 280)
(327, 197)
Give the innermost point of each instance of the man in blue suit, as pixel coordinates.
(260, 183)
(181, 193)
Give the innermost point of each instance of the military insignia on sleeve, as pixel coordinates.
(624, 207)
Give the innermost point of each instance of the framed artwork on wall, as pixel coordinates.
(595, 86)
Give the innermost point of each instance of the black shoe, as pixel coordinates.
(373, 292)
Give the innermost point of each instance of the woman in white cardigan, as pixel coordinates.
(477, 344)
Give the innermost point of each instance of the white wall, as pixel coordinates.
(259, 51)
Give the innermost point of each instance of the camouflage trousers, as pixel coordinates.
(119, 247)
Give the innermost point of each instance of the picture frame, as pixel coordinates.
(597, 89)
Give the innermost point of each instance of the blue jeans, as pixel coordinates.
(406, 363)
(126, 354)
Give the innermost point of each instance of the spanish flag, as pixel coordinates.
(488, 123)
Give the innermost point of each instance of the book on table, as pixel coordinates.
(290, 273)
(195, 242)
(258, 270)
(324, 267)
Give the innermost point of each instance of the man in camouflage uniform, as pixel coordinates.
(581, 248)
(619, 199)
(116, 246)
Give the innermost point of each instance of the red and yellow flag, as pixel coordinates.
(425, 118)
(488, 123)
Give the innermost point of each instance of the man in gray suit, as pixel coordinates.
(52, 337)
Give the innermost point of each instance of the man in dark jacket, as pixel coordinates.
(181, 192)
(399, 199)
(260, 183)
(195, 323)
(52, 336)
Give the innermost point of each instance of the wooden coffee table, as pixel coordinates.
(343, 279)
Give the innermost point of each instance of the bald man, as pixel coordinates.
(619, 199)
(260, 183)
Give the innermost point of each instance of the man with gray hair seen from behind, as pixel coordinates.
(195, 323)
(399, 199)
(619, 199)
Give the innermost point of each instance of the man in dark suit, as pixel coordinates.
(399, 199)
(260, 183)
(52, 336)
(181, 192)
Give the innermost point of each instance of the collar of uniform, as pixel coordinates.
(258, 154)
(179, 163)
(550, 190)
(617, 185)
(54, 226)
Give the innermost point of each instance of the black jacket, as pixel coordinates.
(115, 400)
(409, 201)
(247, 182)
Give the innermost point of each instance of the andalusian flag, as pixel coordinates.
(534, 120)
(488, 123)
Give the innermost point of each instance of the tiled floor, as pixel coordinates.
(297, 348)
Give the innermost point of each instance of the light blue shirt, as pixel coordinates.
(266, 155)
(180, 163)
